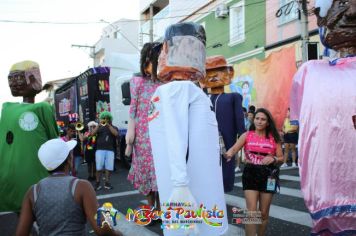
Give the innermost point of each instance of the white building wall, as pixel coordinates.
(176, 11)
(181, 9)
(118, 37)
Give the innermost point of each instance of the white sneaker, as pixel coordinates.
(284, 165)
(237, 169)
(294, 165)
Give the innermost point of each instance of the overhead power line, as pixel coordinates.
(50, 22)
(100, 22)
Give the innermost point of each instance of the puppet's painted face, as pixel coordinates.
(341, 24)
(217, 77)
(21, 86)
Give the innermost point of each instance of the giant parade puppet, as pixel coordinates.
(24, 127)
(184, 135)
(228, 111)
(323, 99)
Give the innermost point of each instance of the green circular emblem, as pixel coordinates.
(28, 121)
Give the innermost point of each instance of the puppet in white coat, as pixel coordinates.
(184, 134)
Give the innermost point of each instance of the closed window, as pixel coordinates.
(237, 23)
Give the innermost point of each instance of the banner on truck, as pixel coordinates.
(66, 104)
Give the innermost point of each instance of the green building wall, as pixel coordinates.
(218, 31)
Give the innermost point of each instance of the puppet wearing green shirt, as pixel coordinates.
(24, 127)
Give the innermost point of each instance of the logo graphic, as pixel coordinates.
(176, 216)
(28, 121)
(143, 215)
(235, 210)
(242, 216)
(107, 214)
(152, 112)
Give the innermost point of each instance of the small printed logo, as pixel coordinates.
(152, 112)
(235, 210)
(243, 216)
(107, 214)
(237, 221)
(28, 121)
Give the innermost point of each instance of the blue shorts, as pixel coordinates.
(104, 159)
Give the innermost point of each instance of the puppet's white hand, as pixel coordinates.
(182, 194)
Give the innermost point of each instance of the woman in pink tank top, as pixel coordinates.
(260, 178)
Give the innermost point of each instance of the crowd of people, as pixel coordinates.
(261, 146)
(96, 146)
(175, 128)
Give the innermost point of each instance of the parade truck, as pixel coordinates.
(84, 97)
(100, 89)
(122, 66)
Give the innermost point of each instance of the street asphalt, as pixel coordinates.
(288, 215)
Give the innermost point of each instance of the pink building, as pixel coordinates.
(283, 28)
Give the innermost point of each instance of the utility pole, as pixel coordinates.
(304, 28)
(151, 23)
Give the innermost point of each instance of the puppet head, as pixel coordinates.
(338, 17)
(25, 79)
(183, 53)
(218, 74)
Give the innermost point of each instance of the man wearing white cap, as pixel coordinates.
(60, 203)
